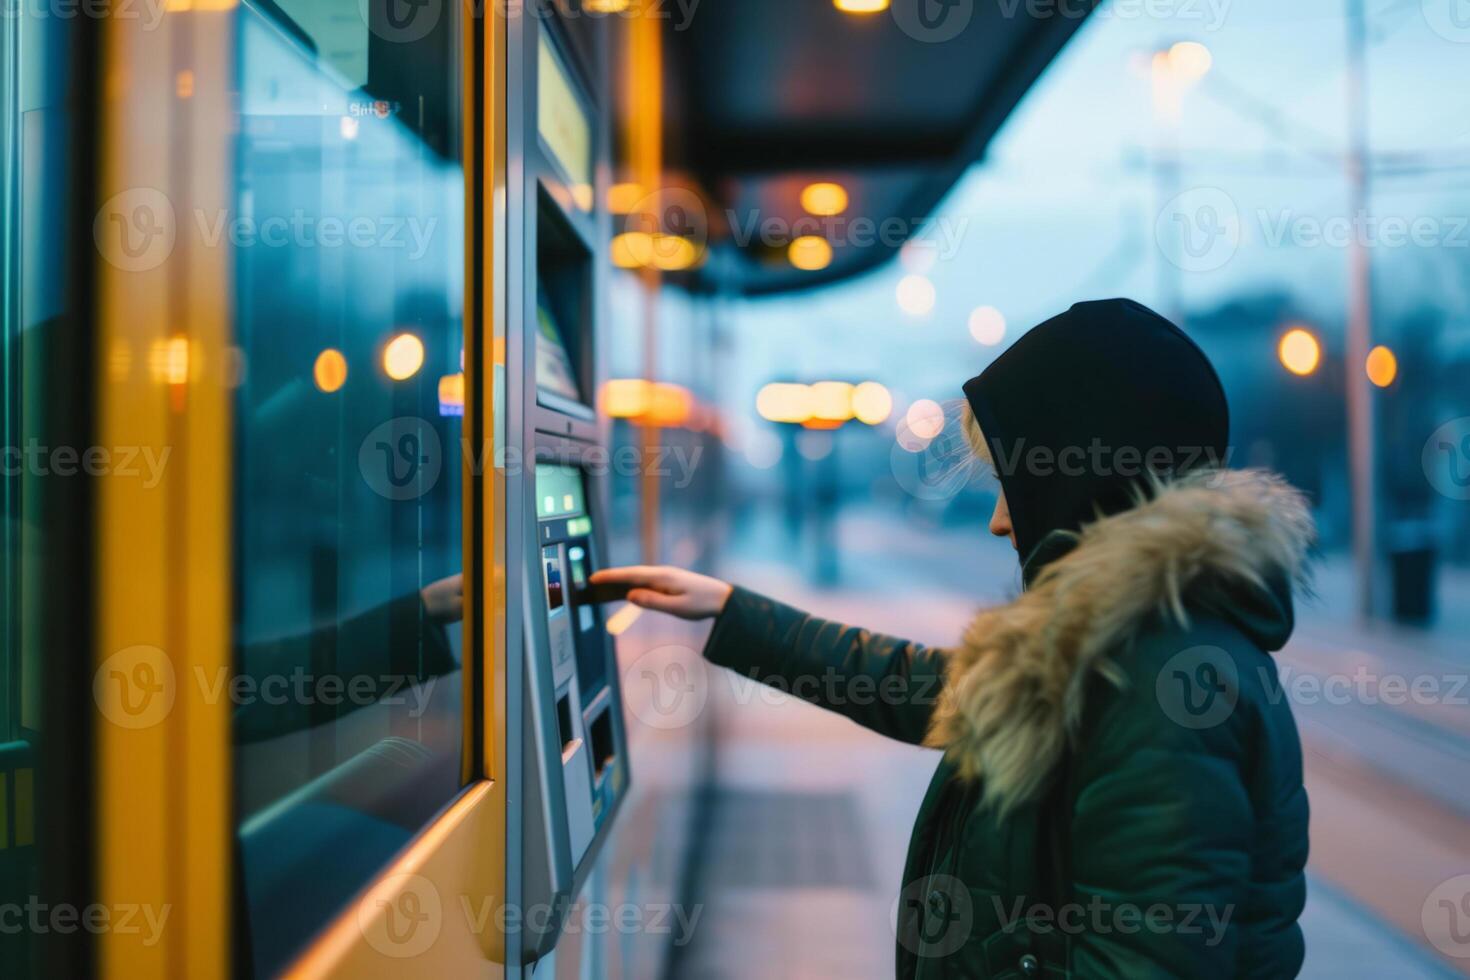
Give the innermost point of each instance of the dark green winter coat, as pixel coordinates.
(1121, 792)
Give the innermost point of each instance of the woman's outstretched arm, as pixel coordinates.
(881, 682)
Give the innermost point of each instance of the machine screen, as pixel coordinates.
(559, 492)
(555, 590)
(554, 370)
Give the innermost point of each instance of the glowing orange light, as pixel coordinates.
(871, 403)
(451, 393)
(1383, 366)
(403, 356)
(184, 84)
(669, 405)
(330, 370)
(623, 198)
(606, 6)
(1299, 351)
(824, 198)
(641, 249)
(168, 361)
(861, 6)
(831, 402)
(1190, 60)
(784, 403)
(810, 253)
(625, 398)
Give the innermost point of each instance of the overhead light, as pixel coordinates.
(1190, 60)
(330, 370)
(1382, 366)
(810, 253)
(860, 6)
(915, 295)
(1299, 351)
(824, 199)
(403, 356)
(832, 401)
(871, 403)
(778, 402)
(987, 325)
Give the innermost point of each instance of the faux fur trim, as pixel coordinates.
(1015, 685)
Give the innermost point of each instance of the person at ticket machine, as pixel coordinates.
(1109, 736)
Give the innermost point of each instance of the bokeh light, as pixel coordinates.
(810, 253)
(871, 403)
(1299, 351)
(987, 325)
(916, 295)
(403, 357)
(824, 199)
(1382, 366)
(330, 370)
(925, 418)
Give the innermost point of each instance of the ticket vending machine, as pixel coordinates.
(573, 755)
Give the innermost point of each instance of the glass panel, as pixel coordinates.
(347, 232)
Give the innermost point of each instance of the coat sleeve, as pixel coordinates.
(881, 682)
(1161, 842)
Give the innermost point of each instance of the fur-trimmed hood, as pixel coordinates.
(1015, 685)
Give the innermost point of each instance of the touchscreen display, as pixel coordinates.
(554, 371)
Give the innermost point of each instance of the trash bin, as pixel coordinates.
(1412, 559)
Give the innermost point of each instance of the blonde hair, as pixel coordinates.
(974, 436)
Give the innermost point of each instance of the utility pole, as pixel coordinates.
(1360, 319)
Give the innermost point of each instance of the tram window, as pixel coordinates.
(347, 236)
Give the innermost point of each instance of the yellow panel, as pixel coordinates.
(163, 826)
(25, 808)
